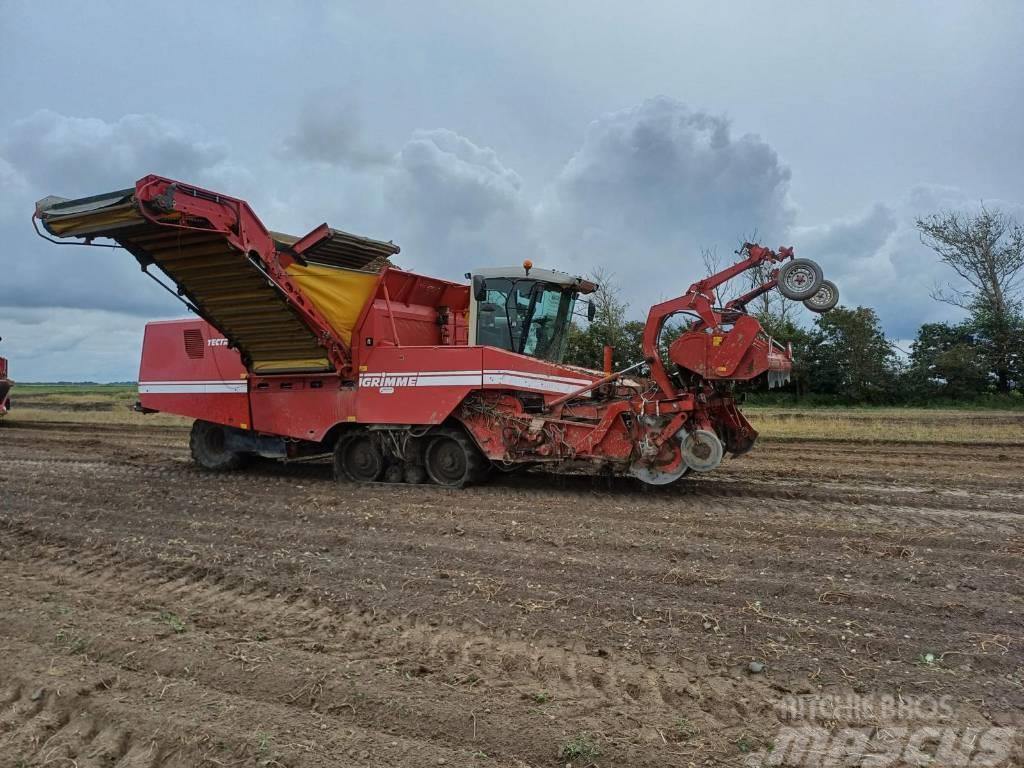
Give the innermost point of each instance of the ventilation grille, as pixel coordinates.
(194, 346)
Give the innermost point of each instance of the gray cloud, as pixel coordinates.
(877, 258)
(329, 131)
(648, 187)
(77, 156)
(57, 344)
(651, 186)
(849, 240)
(460, 205)
(49, 153)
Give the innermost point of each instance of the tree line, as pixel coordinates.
(844, 357)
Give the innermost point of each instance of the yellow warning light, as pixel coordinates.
(527, 265)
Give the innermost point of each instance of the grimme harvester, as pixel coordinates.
(5, 387)
(316, 345)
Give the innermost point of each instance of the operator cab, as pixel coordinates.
(525, 310)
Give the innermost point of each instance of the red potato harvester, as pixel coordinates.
(312, 345)
(5, 387)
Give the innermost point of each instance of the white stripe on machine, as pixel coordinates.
(192, 387)
(386, 382)
(548, 376)
(531, 381)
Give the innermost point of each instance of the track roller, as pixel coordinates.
(452, 459)
(415, 474)
(395, 473)
(359, 458)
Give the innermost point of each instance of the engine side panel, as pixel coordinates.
(188, 369)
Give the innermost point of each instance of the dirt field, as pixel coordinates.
(157, 615)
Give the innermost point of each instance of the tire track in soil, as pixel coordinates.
(302, 636)
(90, 716)
(929, 614)
(630, 610)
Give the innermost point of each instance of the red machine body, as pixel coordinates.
(187, 368)
(285, 362)
(5, 387)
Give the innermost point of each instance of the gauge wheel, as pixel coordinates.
(668, 467)
(702, 450)
(825, 299)
(799, 279)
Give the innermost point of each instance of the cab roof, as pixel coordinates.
(545, 275)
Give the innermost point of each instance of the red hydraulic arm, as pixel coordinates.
(699, 299)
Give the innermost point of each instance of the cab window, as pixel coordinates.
(525, 316)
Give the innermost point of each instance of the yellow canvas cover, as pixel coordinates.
(338, 294)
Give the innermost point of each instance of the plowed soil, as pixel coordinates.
(153, 614)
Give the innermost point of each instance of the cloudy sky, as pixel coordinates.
(584, 134)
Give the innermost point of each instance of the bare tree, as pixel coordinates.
(712, 264)
(610, 318)
(607, 298)
(770, 303)
(986, 250)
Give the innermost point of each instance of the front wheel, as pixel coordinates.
(210, 447)
(799, 279)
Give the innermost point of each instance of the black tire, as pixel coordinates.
(799, 279)
(453, 460)
(358, 458)
(825, 299)
(208, 444)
